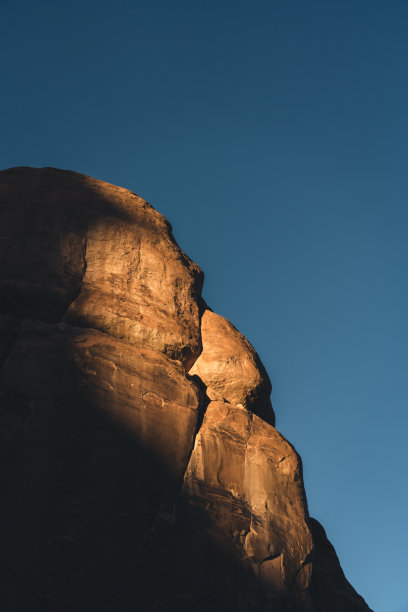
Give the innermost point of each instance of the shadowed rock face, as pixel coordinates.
(329, 588)
(129, 483)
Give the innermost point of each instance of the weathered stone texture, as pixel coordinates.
(128, 484)
(99, 256)
(230, 367)
(248, 478)
(139, 390)
(95, 437)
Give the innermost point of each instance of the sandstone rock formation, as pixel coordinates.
(140, 466)
(230, 368)
(143, 392)
(96, 255)
(96, 434)
(237, 473)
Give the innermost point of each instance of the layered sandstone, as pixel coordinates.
(96, 435)
(140, 466)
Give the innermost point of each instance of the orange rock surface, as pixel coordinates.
(248, 479)
(230, 367)
(98, 256)
(140, 466)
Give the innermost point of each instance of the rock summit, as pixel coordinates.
(141, 468)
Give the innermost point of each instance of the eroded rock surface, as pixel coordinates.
(248, 478)
(95, 436)
(231, 369)
(98, 256)
(128, 484)
(142, 392)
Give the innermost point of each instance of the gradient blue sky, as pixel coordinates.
(273, 135)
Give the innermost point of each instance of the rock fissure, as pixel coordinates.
(271, 558)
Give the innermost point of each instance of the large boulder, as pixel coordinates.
(230, 367)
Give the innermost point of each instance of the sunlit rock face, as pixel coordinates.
(140, 466)
(248, 480)
(230, 367)
(98, 256)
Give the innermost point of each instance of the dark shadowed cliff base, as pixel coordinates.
(141, 469)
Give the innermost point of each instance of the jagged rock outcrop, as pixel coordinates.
(140, 466)
(230, 367)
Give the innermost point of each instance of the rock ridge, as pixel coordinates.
(142, 468)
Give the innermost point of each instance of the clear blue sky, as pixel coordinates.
(274, 136)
